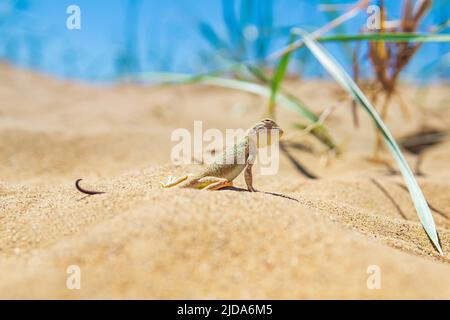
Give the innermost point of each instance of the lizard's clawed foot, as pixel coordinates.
(214, 183)
(172, 181)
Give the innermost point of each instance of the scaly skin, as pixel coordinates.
(228, 165)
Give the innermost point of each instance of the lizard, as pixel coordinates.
(228, 165)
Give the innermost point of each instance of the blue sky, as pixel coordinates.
(162, 35)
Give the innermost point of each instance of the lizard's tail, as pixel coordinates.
(173, 181)
(88, 192)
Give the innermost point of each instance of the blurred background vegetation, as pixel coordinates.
(122, 37)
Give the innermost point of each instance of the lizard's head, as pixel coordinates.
(265, 131)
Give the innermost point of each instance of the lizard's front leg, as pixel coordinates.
(249, 177)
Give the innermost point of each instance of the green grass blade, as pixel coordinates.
(339, 74)
(278, 78)
(389, 37)
(258, 73)
(319, 132)
(284, 99)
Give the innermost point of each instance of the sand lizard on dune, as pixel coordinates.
(229, 164)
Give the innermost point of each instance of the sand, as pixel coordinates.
(297, 238)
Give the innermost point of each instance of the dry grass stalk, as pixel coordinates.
(389, 59)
